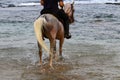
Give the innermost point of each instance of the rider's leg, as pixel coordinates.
(65, 18)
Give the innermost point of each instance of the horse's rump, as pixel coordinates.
(51, 26)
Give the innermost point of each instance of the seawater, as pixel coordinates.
(95, 24)
(97, 19)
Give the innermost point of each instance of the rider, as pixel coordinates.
(51, 6)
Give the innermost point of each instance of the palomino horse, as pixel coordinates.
(48, 26)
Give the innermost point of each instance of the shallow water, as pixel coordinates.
(95, 37)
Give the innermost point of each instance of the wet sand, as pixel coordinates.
(82, 61)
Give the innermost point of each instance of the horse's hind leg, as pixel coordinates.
(52, 46)
(54, 50)
(40, 53)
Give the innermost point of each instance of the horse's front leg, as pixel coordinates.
(60, 46)
(40, 53)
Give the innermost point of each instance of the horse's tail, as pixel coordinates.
(38, 26)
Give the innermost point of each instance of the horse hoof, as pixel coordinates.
(39, 64)
(61, 58)
(51, 67)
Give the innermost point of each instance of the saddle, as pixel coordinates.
(53, 13)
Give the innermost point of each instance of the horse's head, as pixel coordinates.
(69, 10)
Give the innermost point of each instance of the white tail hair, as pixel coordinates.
(38, 26)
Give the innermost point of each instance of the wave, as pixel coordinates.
(102, 15)
(19, 5)
(36, 3)
(28, 4)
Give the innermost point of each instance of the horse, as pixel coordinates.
(48, 26)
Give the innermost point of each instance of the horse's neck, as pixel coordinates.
(67, 8)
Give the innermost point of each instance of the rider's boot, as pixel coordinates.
(67, 33)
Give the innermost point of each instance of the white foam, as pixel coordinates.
(28, 4)
(94, 1)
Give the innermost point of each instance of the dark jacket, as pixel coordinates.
(51, 5)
